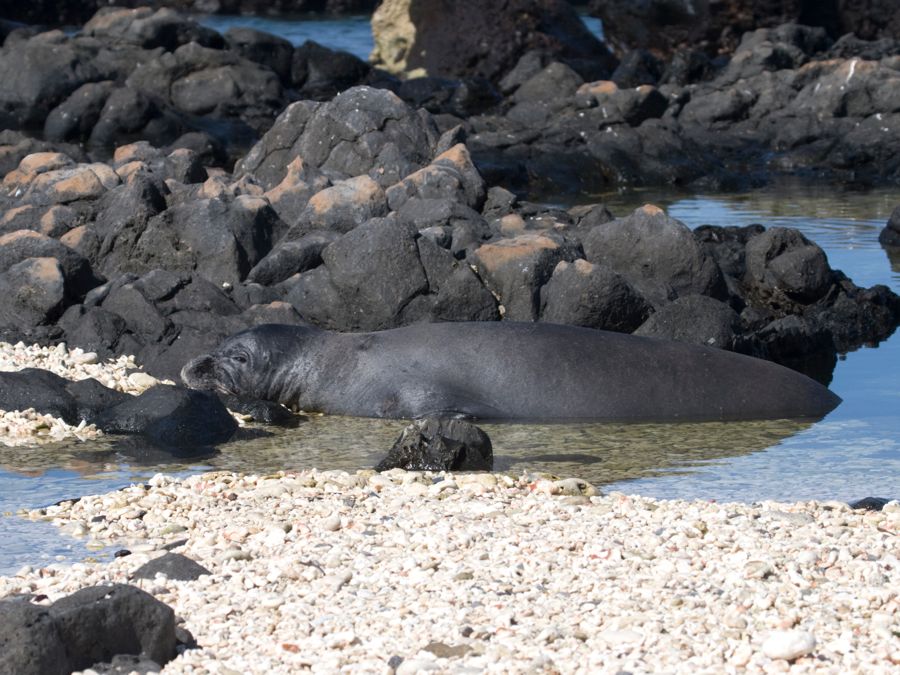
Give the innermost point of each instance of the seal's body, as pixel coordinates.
(503, 371)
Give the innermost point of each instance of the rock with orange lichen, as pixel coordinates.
(515, 268)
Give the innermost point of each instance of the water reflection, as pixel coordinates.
(600, 453)
(893, 254)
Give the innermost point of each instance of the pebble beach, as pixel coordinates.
(411, 572)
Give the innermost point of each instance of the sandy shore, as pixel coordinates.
(365, 572)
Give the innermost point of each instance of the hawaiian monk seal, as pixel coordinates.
(504, 371)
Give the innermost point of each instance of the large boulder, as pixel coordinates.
(99, 622)
(38, 74)
(785, 271)
(172, 417)
(30, 643)
(361, 131)
(584, 294)
(469, 38)
(376, 270)
(665, 25)
(385, 274)
(74, 118)
(78, 275)
(515, 268)
(319, 72)
(39, 389)
(657, 254)
(264, 48)
(200, 81)
(697, 319)
(451, 175)
(220, 239)
(147, 28)
(33, 293)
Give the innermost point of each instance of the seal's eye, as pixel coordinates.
(239, 358)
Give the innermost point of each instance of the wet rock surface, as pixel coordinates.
(438, 444)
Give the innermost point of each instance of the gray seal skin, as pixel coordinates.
(503, 371)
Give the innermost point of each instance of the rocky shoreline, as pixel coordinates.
(165, 186)
(410, 572)
(370, 201)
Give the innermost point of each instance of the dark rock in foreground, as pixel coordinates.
(88, 627)
(171, 416)
(436, 444)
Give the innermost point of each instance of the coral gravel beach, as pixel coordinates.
(414, 572)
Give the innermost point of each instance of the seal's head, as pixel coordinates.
(248, 364)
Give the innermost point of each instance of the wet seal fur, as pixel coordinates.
(503, 371)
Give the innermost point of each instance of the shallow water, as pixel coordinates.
(853, 453)
(349, 33)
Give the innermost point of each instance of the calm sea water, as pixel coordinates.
(854, 452)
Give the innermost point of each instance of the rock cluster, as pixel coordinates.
(789, 100)
(666, 25)
(167, 415)
(362, 211)
(359, 214)
(140, 74)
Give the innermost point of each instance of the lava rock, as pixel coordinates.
(469, 38)
(319, 72)
(376, 271)
(99, 622)
(30, 641)
(91, 398)
(890, 235)
(263, 48)
(34, 294)
(173, 566)
(361, 131)
(584, 294)
(39, 389)
(220, 239)
(148, 29)
(516, 268)
(697, 319)
(658, 255)
(785, 270)
(435, 444)
(171, 416)
(74, 119)
(291, 257)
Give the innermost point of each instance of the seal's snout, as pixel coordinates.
(199, 373)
